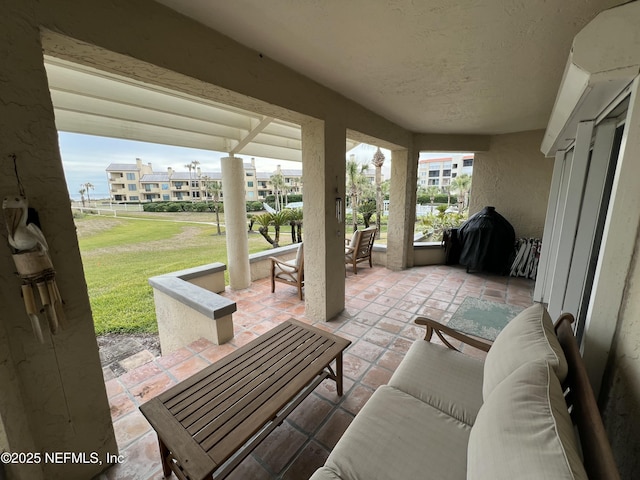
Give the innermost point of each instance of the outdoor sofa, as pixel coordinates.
(445, 415)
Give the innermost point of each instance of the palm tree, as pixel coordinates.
(88, 186)
(378, 161)
(82, 191)
(277, 180)
(462, 185)
(432, 191)
(189, 166)
(355, 185)
(264, 221)
(295, 220)
(277, 220)
(213, 189)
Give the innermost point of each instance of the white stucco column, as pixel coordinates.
(235, 216)
(323, 156)
(402, 209)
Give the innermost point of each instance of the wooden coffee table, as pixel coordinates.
(208, 423)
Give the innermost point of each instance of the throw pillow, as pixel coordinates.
(529, 336)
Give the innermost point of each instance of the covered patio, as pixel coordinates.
(378, 319)
(479, 76)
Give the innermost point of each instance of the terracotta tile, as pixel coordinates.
(114, 387)
(376, 308)
(413, 332)
(331, 431)
(378, 337)
(376, 376)
(354, 367)
(438, 304)
(310, 413)
(141, 460)
(279, 448)
(400, 315)
(136, 360)
(250, 468)
(151, 388)
(296, 310)
(354, 328)
(188, 368)
(200, 344)
(328, 389)
(430, 312)
(139, 374)
(311, 458)
(396, 292)
(390, 360)
(174, 358)
(401, 345)
(130, 427)
(263, 327)
(408, 306)
(366, 350)
(216, 352)
(243, 338)
(120, 405)
(390, 325)
(357, 303)
(356, 399)
(368, 318)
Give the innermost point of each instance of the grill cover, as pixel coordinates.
(487, 241)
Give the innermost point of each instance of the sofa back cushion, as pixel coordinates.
(528, 337)
(523, 430)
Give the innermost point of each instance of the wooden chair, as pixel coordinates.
(291, 272)
(359, 248)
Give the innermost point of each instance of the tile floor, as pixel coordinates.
(380, 307)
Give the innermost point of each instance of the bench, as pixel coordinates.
(445, 415)
(208, 423)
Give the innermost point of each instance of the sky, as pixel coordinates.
(86, 157)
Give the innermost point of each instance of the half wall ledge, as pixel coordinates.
(188, 307)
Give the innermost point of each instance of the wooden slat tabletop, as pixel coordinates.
(206, 418)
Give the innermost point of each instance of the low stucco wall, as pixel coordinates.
(188, 307)
(260, 264)
(514, 177)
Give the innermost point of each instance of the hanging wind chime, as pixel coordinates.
(30, 254)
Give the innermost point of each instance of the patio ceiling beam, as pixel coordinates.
(251, 135)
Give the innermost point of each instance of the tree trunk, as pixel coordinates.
(264, 231)
(378, 202)
(218, 219)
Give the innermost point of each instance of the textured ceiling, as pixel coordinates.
(471, 66)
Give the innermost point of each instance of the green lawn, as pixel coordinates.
(120, 254)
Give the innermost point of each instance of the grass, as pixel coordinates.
(119, 255)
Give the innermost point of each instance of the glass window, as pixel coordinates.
(134, 198)
(467, 162)
(446, 173)
(434, 181)
(435, 166)
(165, 197)
(250, 194)
(446, 165)
(455, 165)
(131, 176)
(132, 187)
(165, 186)
(249, 184)
(434, 173)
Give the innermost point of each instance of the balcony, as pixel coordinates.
(380, 307)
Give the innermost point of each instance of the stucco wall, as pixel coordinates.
(620, 392)
(514, 177)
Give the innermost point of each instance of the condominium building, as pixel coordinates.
(139, 183)
(440, 171)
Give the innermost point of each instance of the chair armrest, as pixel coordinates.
(440, 329)
(275, 260)
(349, 249)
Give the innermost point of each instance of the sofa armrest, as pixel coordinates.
(440, 329)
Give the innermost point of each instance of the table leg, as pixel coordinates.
(339, 373)
(164, 455)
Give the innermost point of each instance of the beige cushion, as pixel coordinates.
(523, 430)
(299, 255)
(444, 378)
(529, 336)
(396, 436)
